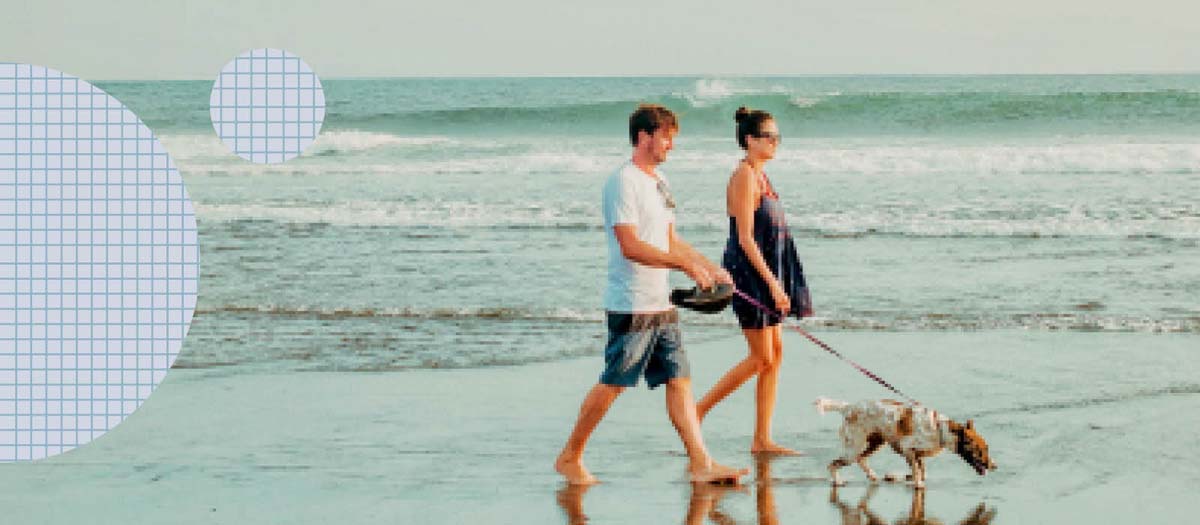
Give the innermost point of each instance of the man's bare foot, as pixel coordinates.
(713, 472)
(574, 471)
(774, 449)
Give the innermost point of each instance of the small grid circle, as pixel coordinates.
(98, 262)
(267, 105)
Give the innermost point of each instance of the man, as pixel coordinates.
(643, 327)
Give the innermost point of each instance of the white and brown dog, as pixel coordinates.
(913, 431)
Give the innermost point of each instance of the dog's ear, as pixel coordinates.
(970, 424)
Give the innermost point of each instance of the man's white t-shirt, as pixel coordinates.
(632, 197)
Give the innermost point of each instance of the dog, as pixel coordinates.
(915, 432)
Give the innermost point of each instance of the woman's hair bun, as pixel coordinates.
(741, 114)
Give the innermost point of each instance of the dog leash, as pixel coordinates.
(828, 348)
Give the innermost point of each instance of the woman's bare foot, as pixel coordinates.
(774, 449)
(573, 470)
(712, 472)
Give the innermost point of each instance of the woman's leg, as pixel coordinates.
(768, 384)
(759, 342)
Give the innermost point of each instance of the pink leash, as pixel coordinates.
(828, 348)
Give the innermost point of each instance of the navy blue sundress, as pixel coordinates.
(775, 243)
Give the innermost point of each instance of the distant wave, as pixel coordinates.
(829, 106)
(1125, 155)
(712, 102)
(381, 339)
(484, 313)
(386, 153)
(1047, 321)
(420, 214)
(1003, 218)
(206, 146)
(333, 142)
(1135, 395)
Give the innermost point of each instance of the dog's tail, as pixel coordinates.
(825, 404)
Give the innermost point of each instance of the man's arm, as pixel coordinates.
(642, 252)
(680, 246)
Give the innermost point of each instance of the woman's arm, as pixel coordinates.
(743, 197)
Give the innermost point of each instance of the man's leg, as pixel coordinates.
(681, 407)
(668, 364)
(595, 405)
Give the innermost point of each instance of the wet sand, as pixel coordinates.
(1085, 427)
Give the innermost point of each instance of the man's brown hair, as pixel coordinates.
(649, 118)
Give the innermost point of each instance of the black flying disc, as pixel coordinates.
(708, 301)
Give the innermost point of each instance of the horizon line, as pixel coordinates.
(715, 76)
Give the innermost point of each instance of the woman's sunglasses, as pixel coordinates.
(773, 137)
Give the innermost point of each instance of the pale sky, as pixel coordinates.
(135, 39)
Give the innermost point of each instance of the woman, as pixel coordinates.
(762, 260)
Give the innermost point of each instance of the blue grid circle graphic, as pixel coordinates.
(98, 262)
(267, 105)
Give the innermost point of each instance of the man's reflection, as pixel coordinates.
(705, 502)
(570, 498)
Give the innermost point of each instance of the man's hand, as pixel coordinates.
(700, 274)
(722, 276)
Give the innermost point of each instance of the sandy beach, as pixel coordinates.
(1090, 428)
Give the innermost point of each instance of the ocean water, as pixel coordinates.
(456, 222)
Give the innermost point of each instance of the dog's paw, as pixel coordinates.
(896, 477)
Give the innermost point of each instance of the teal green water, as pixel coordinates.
(456, 222)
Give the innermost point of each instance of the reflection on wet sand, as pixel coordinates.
(765, 493)
(705, 501)
(705, 498)
(861, 514)
(570, 498)
(704, 504)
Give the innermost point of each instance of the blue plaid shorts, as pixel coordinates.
(647, 344)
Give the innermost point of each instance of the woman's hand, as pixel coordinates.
(782, 302)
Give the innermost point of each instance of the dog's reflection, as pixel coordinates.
(861, 514)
